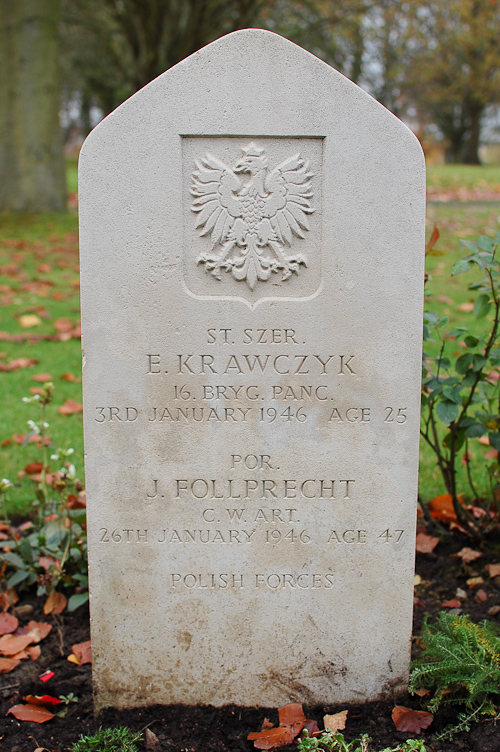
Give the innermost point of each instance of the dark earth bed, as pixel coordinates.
(208, 729)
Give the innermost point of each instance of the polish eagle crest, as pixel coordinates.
(252, 223)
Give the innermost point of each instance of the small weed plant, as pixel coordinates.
(460, 664)
(119, 739)
(335, 742)
(51, 550)
(461, 393)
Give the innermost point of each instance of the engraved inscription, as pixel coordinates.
(254, 221)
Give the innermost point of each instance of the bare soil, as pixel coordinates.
(209, 729)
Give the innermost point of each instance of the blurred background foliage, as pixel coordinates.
(65, 64)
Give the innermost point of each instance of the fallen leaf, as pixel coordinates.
(70, 407)
(454, 603)
(272, 738)
(34, 652)
(417, 580)
(12, 644)
(42, 626)
(441, 508)
(312, 728)
(291, 714)
(83, 652)
(411, 721)
(73, 659)
(42, 377)
(493, 569)
(55, 603)
(266, 723)
(8, 623)
(18, 363)
(473, 582)
(422, 691)
(63, 325)
(29, 320)
(481, 596)
(335, 722)
(30, 713)
(426, 543)
(152, 741)
(465, 307)
(36, 390)
(33, 467)
(7, 665)
(68, 376)
(494, 610)
(467, 555)
(43, 701)
(49, 561)
(492, 454)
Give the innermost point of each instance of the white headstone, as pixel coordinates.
(252, 235)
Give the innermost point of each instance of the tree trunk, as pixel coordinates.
(471, 154)
(32, 173)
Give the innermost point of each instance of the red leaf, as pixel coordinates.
(441, 508)
(42, 377)
(30, 713)
(426, 543)
(312, 728)
(33, 467)
(41, 700)
(433, 239)
(18, 363)
(8, 623)
(411, 721)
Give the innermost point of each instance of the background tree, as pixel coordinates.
(454, 68)
(31, 156)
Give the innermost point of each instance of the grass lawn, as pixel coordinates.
(39, 278)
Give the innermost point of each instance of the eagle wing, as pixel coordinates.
(214, 187)
(290, 201)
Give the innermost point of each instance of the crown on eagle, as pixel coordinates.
(252, 150)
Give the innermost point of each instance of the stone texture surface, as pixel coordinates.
(252, 246)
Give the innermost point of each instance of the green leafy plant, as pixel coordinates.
(460, 664)
(335, 742)
(52, 552)
(460, 396)
(119, 739)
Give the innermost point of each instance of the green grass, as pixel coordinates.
(38, 267)
(453, 177)
(28, 242)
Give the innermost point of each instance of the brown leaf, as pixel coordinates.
(8, 623)
(493, 569)
(411, 721)
(272, 738)
(18, 363)
(467, 555)
(291, 714)
(7, 665)
(42, 377)
(55, 603)
(465, 307)
(33, 467)
(312, 728)
(70, 407)
(68, 376)
(481, 596)
(426, 543)
(454, 603)
(83, 652)
(30, 713)
(152, 741)
(34, 652)
(63, 325)
(49, 561)
(335, 722)
(433, 239)
(42, 626)
(473, 582)
(12, 644)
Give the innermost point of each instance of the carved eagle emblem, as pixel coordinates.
(252, 222)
